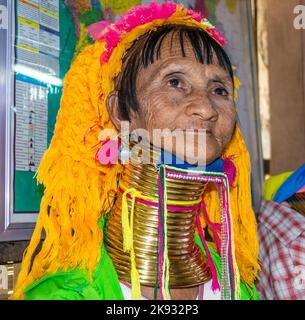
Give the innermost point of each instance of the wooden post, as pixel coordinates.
(287, 86)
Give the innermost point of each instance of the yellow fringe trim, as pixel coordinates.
(127, 227)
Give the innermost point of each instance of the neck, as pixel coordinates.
(188, 267)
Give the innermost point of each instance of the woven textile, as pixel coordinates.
(281, 232)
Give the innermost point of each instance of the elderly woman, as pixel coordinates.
(159, 229)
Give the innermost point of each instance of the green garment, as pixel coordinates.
(75, 285)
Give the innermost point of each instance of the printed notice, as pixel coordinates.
(38, 38)
(37, 59)
(31, 125)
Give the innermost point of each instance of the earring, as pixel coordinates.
(124, 151)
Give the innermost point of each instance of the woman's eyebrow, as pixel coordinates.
(173, 73)
(171, 68)
(219, 79)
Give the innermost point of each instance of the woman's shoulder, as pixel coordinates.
(75, 284)
(63, 285)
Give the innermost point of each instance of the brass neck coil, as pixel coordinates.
(188, 267)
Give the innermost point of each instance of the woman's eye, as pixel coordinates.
(220, 92)
(174, 83)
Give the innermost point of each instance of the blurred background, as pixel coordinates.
(40, 39)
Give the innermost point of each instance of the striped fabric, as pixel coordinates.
(281, 232)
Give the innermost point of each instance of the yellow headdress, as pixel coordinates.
(78, 190)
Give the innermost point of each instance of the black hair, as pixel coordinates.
(147, 49)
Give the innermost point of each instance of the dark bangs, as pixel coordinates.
(146, 50)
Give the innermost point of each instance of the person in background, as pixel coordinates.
(281, 231)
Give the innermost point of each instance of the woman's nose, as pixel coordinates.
(202, 108)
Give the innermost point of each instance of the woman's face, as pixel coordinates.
(180, 93)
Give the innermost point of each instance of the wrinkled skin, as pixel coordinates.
(177, 92)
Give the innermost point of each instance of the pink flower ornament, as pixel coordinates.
(112, 33)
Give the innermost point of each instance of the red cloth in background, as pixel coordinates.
(281, 232)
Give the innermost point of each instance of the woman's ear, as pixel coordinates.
(112, 103)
